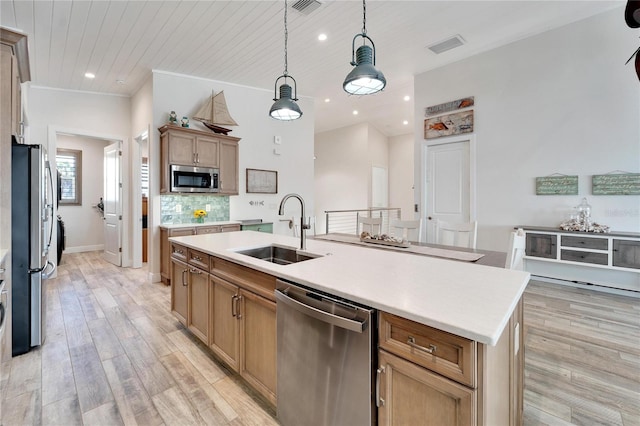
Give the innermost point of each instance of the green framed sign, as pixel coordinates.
(557, 185)
(616, 184)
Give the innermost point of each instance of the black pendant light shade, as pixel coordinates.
(285, 107)
(365, 78)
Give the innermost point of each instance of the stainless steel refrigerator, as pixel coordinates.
(31, 230)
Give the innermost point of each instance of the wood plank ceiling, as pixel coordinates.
(242, 42)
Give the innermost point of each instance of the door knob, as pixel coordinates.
(430, 218)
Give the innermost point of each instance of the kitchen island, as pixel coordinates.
(473, 311)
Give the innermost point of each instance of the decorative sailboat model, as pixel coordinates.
(214, 113)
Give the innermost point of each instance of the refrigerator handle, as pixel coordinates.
(50, 205)
(46, 274)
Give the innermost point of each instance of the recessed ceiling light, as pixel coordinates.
(327, 100)
(407, 98)
(89, 75)
(120, 81)
(355, 112)
(322, 37)
(405, 122)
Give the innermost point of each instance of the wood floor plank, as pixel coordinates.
(153, 375)
(26, 374)
(62, 412)
(91, 381)
(106, 342)
(106, 414)
(251, 411)
(57, 383)
(133, 401)
(198, 355)
(154, 336)
(201, 393)
(175, 408)
(25, 408)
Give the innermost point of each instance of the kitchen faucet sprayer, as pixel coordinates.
(303, 226)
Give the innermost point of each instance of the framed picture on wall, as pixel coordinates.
(262, 181)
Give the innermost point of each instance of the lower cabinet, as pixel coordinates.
(225, 338)
(179, 290)
(165, 250)
(258, 343)
(413, 395)
(429, 377)
(198, 318)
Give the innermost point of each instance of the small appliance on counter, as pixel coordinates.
(32, 226)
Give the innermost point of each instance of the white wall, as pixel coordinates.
(559, 102)
(401, 174)
(83, 113)
(344, 158)
(250, 108)
(83, 223)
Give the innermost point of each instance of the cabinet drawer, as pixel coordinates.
(585, 242)
(541, 245)
(449, 355)
(229, 228)
(198, 259)
(585, 257)
(178, 252)
(626, 254)
(207, 230)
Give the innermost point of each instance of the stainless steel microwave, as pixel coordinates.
(194, 179)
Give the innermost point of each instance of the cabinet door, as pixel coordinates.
(198, 319)
(228, 168)
(179, 290)
(258, 343)
(541, 245)
(415, 396)
(207, 151)
(182, 148)
(225, 340)
(626, 254)
(165, 250)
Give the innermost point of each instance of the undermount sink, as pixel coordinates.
(277, 254)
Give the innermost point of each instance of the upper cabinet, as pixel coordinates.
(189, 147)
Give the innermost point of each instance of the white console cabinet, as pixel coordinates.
(609, 260)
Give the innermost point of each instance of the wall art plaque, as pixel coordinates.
(449, 124)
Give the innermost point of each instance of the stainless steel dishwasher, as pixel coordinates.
(325, 359)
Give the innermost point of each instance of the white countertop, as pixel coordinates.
(462, 298)
(195, 225)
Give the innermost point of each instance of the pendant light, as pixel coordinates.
(365, 78)
(285, 108)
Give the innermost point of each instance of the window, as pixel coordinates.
(70, 176)
(144, 177)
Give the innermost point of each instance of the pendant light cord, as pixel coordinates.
(286, 38)
(364, 17)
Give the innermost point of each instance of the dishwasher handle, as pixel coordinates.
(319, 314)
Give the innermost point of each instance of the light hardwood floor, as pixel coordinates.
(115, 355)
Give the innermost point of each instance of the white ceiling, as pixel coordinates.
(243, 42)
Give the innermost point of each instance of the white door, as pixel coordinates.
(448, 187)
(379, 187)
(112, 199)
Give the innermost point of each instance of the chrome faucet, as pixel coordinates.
(303, 226)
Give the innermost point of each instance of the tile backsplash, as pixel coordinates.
(219, 208)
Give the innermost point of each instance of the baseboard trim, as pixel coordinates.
(80, 249)
(588, 286)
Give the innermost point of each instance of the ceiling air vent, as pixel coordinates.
(448, 44)
(306, 6)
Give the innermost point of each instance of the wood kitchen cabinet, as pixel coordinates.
(258, 343)
(165, 250)
(429, 377)
(190, 147)
(244, 323)
(198, 318)
(225, 336)
(179, 290)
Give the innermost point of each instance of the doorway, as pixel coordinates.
(448, 176)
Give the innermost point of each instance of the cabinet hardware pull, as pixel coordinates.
(411, 341)
(379, 401)
(233, 305)
(194, 158)
(195, 271)
(239, 314)
(184, 271)
(198, 258)
(178, 251)
(197, 157)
